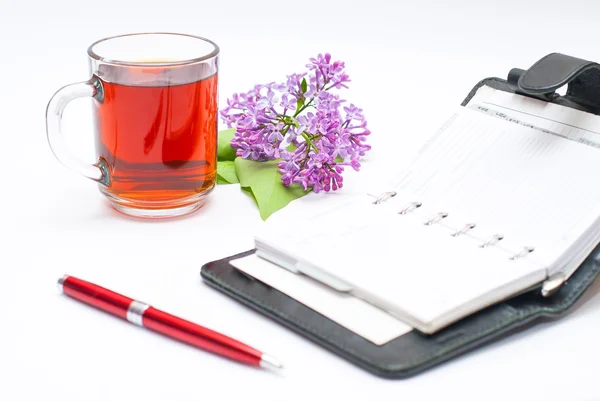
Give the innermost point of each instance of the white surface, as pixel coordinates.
(353, 313)
(399, 55)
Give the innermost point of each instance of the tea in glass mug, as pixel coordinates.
(155, 111)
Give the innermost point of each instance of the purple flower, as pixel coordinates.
(294, 84)
(266, 102)
(288, 102)
(303, 124)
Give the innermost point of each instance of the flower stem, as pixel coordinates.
(310, 142)
(301, 109)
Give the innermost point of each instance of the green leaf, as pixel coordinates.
(226, 173)
(303, 87)
(221, 181)
(224, 150)
(339, 159)
(263, 181)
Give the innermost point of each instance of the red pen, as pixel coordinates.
(164, 323)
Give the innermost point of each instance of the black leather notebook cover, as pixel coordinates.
(414, 352)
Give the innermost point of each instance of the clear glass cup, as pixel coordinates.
(155, 111)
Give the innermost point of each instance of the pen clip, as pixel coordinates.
(553, 284)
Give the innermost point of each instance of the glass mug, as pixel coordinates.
(155, 111)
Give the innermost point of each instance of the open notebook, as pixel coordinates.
(500, 200)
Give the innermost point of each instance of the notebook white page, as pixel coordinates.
(530, 186)
(418, 273)
(553, 119)
(569, 123)
(534, 188)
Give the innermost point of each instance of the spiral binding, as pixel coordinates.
(410, 207)
(435, 218)
(384, 196)
(526, 251)
(466, 228)
(492, 240)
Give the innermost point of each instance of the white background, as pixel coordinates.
(410, 63)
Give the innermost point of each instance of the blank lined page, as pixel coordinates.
(530, 186)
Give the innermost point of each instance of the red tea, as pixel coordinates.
(159, 141)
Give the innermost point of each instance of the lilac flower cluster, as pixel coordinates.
(313, 147)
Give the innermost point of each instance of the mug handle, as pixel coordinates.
(93, 88)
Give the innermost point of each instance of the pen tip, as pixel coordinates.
(270, 362)
(60, 283)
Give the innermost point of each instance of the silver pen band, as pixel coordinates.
(135, 312)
